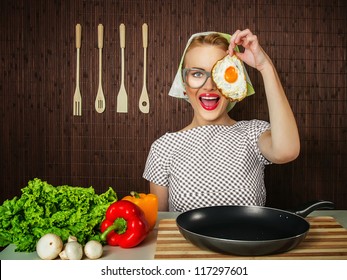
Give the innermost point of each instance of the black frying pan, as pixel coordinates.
(247, 230)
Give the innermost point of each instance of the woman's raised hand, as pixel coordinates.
(253, 53)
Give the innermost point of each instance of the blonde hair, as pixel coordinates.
(213, 39)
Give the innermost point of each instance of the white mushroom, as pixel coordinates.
(63, 255)
(93, 249)
(72, 238)
(72, 251)
(49, 246)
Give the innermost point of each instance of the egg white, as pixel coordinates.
(237, 90)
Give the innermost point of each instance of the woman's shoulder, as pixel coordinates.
(165, 139)
(208, 129)
(253, 124)
(172, 138)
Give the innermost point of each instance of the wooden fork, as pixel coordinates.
(77, 98)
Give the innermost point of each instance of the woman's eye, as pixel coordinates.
(197, 74)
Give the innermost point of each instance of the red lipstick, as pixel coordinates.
(209, 101)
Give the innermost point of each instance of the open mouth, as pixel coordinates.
(209, 101)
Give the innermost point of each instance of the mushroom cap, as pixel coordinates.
(74, 250)
(93, 249)
(49, 246)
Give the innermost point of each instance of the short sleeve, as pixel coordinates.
(155, 171)
(255, 129)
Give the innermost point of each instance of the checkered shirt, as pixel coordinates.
(210, 165)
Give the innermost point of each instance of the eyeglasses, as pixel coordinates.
(195, 77)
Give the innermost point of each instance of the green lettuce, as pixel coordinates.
(43, 208)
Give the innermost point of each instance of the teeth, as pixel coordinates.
(209, 97)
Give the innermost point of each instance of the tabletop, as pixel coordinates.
(146, 250)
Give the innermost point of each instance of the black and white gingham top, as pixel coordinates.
(210, 165)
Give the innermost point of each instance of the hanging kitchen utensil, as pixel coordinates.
(247, 230)
(100, 103)
(144, 101)
(122, 98)
(77, 98)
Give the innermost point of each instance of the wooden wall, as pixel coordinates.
(41, 138)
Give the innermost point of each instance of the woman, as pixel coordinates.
(217, 160)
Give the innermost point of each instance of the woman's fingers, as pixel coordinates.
(232, 42)
(243, 38)
(252, 54)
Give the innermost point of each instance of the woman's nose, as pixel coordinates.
(210, 84)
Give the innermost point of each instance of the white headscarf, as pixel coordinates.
(178, 89)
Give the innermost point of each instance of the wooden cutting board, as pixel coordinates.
(326, 239)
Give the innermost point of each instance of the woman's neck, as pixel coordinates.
(196, 122)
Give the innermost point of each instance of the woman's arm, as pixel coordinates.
(282, 143)
(162, 194)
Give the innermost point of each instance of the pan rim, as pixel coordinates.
(294, 236)
(240, 240)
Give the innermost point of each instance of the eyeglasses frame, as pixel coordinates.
(185, 70)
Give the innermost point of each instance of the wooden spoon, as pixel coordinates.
(144, 100)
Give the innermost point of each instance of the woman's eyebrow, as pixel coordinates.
(198, 68)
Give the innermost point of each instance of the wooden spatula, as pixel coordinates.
(122, 98)
(100, 98)
(144, 101)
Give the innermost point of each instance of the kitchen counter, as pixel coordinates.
(146, 250)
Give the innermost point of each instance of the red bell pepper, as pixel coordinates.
(125, 225)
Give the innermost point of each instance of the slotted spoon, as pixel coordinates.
(122, 97)
(77, 98)
(100, 104)
(144, 101)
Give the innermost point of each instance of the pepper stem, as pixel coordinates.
(119, 226)
(135, 194)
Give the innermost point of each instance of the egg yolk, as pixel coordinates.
(230, 74)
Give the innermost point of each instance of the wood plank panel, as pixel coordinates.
(326, 239)
(40, 137)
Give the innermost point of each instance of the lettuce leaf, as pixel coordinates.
(43, 208)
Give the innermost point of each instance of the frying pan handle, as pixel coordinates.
(309, 207)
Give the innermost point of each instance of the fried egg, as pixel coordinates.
(229, 76)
